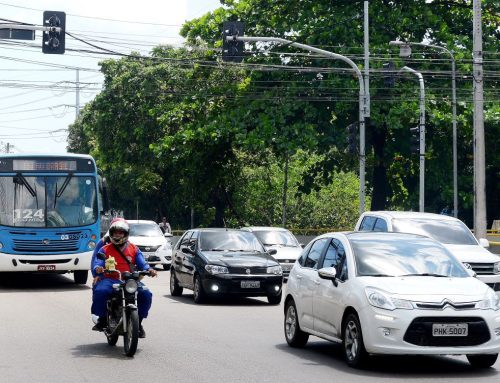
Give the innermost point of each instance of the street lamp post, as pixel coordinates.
(421, 196)
(405, 51)
(362, 98)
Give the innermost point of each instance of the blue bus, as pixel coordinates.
(50, 213)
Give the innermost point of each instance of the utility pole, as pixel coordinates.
(479, 144)
(234, 38)
(77, 106)
(367, 61)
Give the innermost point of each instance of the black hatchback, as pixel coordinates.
(216, 262)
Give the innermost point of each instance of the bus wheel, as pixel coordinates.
(80, 276)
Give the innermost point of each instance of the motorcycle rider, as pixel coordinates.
(127, 256)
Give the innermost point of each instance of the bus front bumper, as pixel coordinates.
(45, 263)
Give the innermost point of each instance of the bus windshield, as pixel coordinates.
(47, 201)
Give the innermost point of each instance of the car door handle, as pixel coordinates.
(317, 281)
(299, 276)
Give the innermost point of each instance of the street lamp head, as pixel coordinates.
(404, 48)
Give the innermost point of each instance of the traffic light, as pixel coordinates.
(415, 140)
(389, 76)
(232, 50)
(52, 41)
(352, 130)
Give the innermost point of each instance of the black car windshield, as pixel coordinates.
(403, 255)
(444, 231)
(274, 237)
(145, 230)
(229, 241)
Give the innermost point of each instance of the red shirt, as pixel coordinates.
(130, 252)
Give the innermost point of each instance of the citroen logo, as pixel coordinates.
(45, 241)
(248, 271)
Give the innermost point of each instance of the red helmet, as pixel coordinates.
(119, 224)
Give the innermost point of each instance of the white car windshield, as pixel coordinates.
(444, 231)
(402, 255)
(283, 238)
(145, 230)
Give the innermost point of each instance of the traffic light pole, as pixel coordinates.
(362, 98)
(421, 196)
(30, 27)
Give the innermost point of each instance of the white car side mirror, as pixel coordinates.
(471, 273)
(168, 235)
(484, 242)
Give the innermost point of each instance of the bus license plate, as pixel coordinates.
(46, 267)
(451, 329)
(250, 284)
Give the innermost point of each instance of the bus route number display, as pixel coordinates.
(28, 215)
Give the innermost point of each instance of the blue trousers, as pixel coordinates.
(104, 288)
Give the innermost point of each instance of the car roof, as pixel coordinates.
(138, 221)
(411, 214)
(216, 229)
(373, 234)
(264, 228)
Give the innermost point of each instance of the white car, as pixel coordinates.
(450, 231)
(154, 245)
(390, 293)
(288, 249)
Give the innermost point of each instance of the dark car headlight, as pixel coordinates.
(214, 269)
(276, 270)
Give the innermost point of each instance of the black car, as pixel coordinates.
(216, 262)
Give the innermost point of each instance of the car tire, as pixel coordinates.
(274, 299)
(352, 342)
(482, 360)
(294, 336)
(199, 294)
(175, 288)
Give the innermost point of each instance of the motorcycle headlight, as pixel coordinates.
(213, 269)
(496, 268)
(383, 300)
(276, 270)
(490, 301)
(131, 286)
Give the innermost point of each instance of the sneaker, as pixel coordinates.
(100, 325)
(142, 333)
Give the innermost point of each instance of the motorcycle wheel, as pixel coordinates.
(131, 336)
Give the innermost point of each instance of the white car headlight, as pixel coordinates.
(164, 247)
(383, 300)
(213, 269)
(276, 270)
(131, 286)
(496, 268)
(490, 301)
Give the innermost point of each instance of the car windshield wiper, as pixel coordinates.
(424, 275)
(377, 275)
(19, 179)
(63, 187)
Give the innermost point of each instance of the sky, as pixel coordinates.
(38, 92)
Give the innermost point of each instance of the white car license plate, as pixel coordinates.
(250, 284)
(287, 266)
(147, 255)
(451, 329)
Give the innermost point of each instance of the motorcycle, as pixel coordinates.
(122, 317)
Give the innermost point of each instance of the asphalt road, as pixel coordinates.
(45, 336)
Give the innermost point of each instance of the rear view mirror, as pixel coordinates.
(471, 272)
(272, 251)
(187, 250)
(328, 273)
(168, 235)
(484, 243)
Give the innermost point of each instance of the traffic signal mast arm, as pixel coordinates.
(362, 97)
(30, 27)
